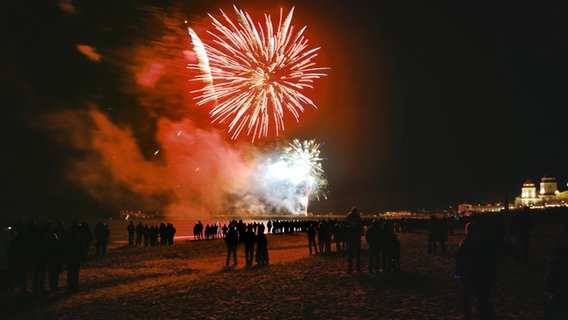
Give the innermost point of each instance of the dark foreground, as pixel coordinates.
(189, 281)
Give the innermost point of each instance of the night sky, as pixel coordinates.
(425, 106)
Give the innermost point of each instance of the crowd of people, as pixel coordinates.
(488, 239)
(209, 231)
(45, 251)
(252, 236)
(150, 235)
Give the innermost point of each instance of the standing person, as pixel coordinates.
(442, 234)
(339, 236)
(54, 260)
(199, 230)
(523, 228)
(249, 239)
(321, 231)
(355, 231)
(171, 231)
(102, 234)
(312, 238)
(390, 248)
(18, 255)
(131, 229)
(74, 251)
(139, 233)
(476, 266)
(261, 247)
(232, 240)
(433, 233)
(556, 284)
(374, 237)
(86, 236)
(39, 240)
(5, 237)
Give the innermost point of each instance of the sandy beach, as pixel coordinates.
(189, 280)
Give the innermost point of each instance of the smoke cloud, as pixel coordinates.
(133, 139)
(195, 172)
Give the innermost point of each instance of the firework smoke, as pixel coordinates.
(137, 142)
(200, 174)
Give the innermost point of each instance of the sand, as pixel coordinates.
(189, 280)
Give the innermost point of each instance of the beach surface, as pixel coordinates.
(189, 280)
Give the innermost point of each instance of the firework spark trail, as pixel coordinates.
(306, 152)
(306, 155)
(203, 61)
(258, 73)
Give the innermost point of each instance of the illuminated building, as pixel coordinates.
(466, 208)
(547, 196)
(528, 197)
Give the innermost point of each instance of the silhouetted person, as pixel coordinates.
(355, 231)
(74, 251)
(321, 230)
(232, 240)
(311, 230)
(556, 285)
(54, 260)
(170, 231)
(207, 231)
(38, 240)
(198, 231)
(249, 239)
(5, 238)
(18, 252)
(131, 230)
(340, 236)
(261, 247)
(523, 228)
(326, 237)
(374, 237)
(146, 235)
(442, 234)
(162, 233)
(86, 236)
(476, 266)
(139, 233)
(102, 234)
(433, 234)
(390, 249)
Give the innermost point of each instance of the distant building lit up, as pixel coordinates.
(546, 196)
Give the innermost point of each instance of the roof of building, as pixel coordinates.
(528, 183)
(548, 179)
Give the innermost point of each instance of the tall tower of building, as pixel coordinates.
(548, 186)
(528, 195)
(528, 190)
